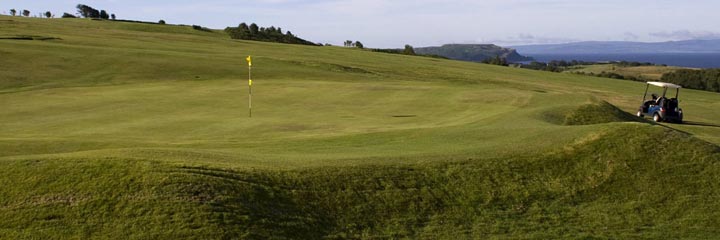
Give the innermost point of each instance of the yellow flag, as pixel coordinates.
(249, 60)
(249, 82)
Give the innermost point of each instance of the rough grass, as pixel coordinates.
(598, 186)
(139, 131)
(593, 112)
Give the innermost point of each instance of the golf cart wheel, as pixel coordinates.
(657, 118)
(639, 114)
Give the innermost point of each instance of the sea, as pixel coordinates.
(692, 60)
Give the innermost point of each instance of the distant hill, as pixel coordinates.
(473, 52)
(689, 46)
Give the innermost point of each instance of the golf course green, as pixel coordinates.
(118, 130)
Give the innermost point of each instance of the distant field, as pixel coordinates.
(124, 130)
(640, 72)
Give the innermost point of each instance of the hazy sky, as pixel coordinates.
(379, 23)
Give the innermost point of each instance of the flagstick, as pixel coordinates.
(250, 90)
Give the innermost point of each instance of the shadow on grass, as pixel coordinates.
(28, 37)
(671, 126)
(701, 124)
(248, 204)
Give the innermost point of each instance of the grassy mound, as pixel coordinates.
(598, 112)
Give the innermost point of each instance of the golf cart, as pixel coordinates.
(660, 107)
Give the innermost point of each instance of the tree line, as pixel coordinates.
(86, 11)
(497, 60)
(269, 34)
(613, 75)
(356, 44)
(83, 10)
(26, 13)
(703, 79)
(407, 50)
(562, 65)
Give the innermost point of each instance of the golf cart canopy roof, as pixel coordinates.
(664, 84)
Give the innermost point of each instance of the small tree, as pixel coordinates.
(112, 16)
(13, 12)
(87, 11)
(244, 26)
(48, 14)
(83, 10)
(104, 15)
(254, 29)
(26, 13)
(161, 21)
(358, 44)
(200, 28)
(715, 85)
(67, 15)
(409, 50)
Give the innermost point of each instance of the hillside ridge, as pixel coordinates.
(473, 52)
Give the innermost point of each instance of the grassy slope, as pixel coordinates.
(137, 130)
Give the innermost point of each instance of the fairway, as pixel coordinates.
(141, 131)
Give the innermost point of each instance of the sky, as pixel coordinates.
(392, 24)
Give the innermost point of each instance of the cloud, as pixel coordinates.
(686, 35)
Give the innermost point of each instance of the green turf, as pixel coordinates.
(125, 130)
